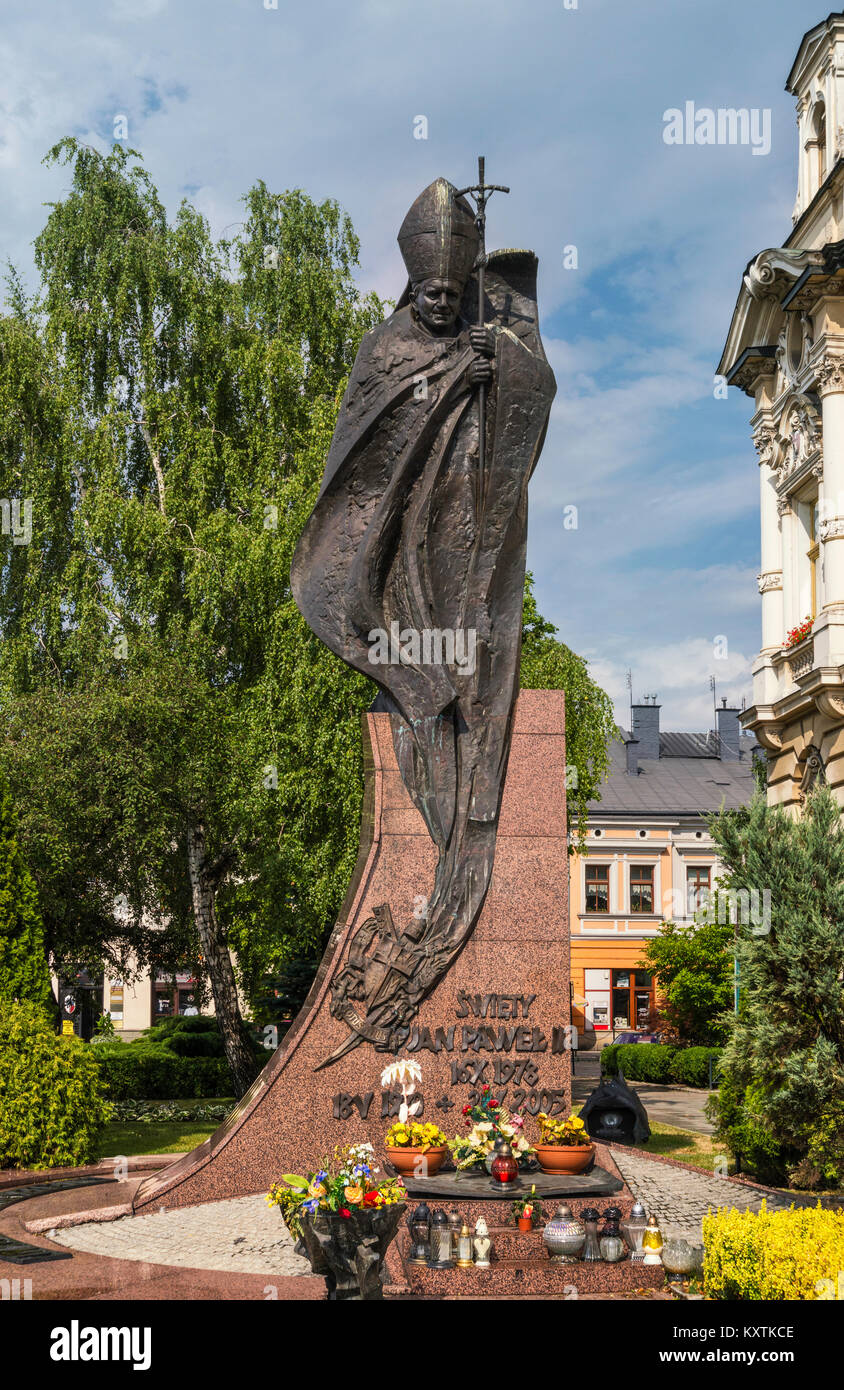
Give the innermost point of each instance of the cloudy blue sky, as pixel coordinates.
(567, 104)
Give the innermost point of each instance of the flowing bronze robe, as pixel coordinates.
(406, 531)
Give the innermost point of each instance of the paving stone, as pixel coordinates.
(680, 1199)
(243, 1235)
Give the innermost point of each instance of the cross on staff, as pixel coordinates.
(480, 193)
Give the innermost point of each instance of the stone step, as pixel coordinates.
(533, 1278)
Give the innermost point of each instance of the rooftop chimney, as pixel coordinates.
(646, 727)
(632, 751)
(729, 732)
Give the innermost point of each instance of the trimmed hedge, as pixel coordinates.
(156, 1073)
(771, 1255)
(685, 1066)
(52, 1101)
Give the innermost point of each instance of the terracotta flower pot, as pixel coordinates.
(525, 1223)
(416, 1163)
(564, 1158)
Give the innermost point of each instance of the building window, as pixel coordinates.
(115, 1003)
(632, 999)
(819, 123)
(698, 884)
(642, 888)
(597, 887)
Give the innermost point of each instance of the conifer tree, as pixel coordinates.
(786, 1047)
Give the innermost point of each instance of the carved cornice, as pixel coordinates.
(764, 441)
(831, 703)
(770, 736)
(829, 371)
(777, 263)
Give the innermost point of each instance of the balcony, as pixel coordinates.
(793, 662)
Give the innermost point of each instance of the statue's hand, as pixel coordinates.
(480, 371)
(483, 340)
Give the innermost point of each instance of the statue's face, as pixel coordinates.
(437, 303)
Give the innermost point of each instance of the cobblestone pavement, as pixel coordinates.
(242, 1235)
(680, 1199)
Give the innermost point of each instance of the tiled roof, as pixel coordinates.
(673, 784)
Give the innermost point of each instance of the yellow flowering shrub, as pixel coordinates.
(795, 1254)
(412, 1134)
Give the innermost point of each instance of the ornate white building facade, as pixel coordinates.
(785, 350)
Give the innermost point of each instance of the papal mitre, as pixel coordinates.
(438, 238)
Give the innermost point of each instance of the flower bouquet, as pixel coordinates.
(488, 1120)
(565, 1146)
(344, 1218)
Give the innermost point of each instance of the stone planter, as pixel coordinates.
(348, 1251)
(416, 1163)
(564, 1158)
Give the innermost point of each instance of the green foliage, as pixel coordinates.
(166, 1112)
(24, 973)
(547, 664)
(739, 1124)
(168, 401)
(284, 996)
(690, 1066)
(661, 1064)
(179, 1023)
(693, 969)
(638, 1061)
(771, 1256)
(52, 1100)
(784, 1060)
(156, 1073)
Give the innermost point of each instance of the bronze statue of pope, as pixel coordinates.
(420, 533)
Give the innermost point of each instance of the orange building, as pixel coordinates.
(649, 859)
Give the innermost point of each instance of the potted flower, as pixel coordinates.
(527, 1210)
(415, 1149)
(799, 633)
(565, 1146)
(412, 1148)
(487, 1120)
(344, 1217)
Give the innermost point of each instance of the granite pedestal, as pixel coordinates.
(499, 1016)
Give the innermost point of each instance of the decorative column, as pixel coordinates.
(785, 515)
(771, 578)
(830, 377)
(802, 198)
